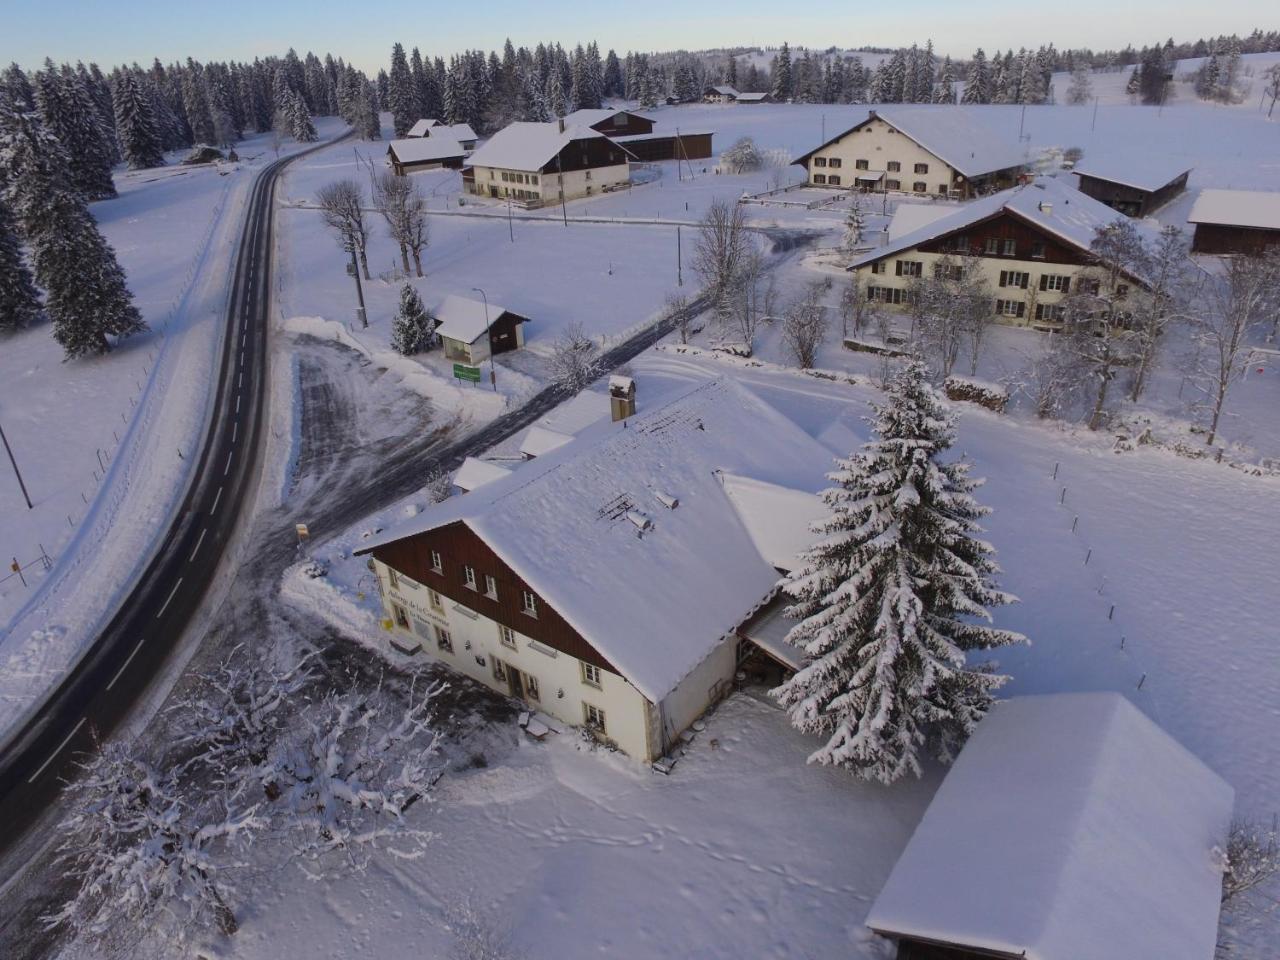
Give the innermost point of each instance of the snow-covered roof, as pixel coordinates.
(1071, 826)
(913, 216)
(421, 128)
(589, 117)
(426, 149)
(620, 382)
(1237, 208)
(751, 97)
(525, 145)
(952, 134)
(1046, 204)
(476, 473)
(577, 413)
(641, 137)
(656, 603)
(768, 629)
(539, 441)
(465, 319)
(725, 90)
(777, 518)
(1144, 171)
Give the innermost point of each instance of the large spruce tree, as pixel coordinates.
(136, 129)
(893, 596)
(19, 301)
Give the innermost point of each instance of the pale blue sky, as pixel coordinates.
(115, 31)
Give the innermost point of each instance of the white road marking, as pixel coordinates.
(74, 731)
(235, 429)
(169, 599)
(198, 542)
(227, 468)
(240, 381)
(215, 502)
(128, 661)
(237, 403)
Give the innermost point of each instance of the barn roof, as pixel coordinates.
(654, 602)
(1147, 172)
(1259, 209)
(1071, 826)
(724, 90)
(952, 134)
(525, 145)
(589, 117)
(1047, 205)
(465, 319)
(420, 128)
(426, 149)
(476, 473)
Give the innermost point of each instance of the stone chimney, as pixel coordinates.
(622, 397)
(560, 123)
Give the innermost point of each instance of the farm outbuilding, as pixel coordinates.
(1135, 186)
(1235, 221)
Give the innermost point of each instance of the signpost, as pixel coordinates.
(464, 372)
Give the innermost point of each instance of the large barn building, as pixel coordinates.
(1136, 186)
(1070, 827)
(1032, 242)
(943, 151)
(602, 582)
(546, 163)
(635, 132)
(1235, 221)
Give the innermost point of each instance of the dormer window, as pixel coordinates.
(469, 575)
(437, 562)
(528, 603)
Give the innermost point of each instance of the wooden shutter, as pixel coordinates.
(1044, 283)
(1066, 285)
(1025, 278)
(1004, 278)
(897, 266)
(1022, 309)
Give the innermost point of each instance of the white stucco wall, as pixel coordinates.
(547, 186)
(878, 143)
(562, 690)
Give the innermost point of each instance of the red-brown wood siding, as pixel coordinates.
(689, 146)
(502, 333)
(1131, 201)
(459, 546)
(635, 124)
(586, 155)
(1006, 227)
(1217, 238)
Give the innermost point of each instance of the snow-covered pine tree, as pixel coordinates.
(945, 92)
(893, 596)
(135, 124)
(412, 329)
(783, 84)
(854, 224)
(401, 99)
(977, 84)
(70, 114)
(19, 301)
(300, 125)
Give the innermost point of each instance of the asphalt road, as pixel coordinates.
(117, 669)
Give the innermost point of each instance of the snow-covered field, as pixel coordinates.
(105, 443)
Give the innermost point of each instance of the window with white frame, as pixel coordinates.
(1009, 248)
(920, 187)
(444, 640)
(835, 162)
(528, 603)
(862, 164)
(922, 168)
(436, 603)
(393, 579)
(878, 266)
(1014, 278)
(819, 161)
(590, 674)
(437, 562)
(991, 245)
(834, 180)
(819, 178)
(1055, 281)
(401, 616)
(490, 587)
(593, 717)
(893, 166)
(469, 575)
(1051, 312)
(499, 671)
(531, 687)
(909, 268)
(1011, 308)
(507, 636)
(892, 185)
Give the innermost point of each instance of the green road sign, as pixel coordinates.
(464, 372)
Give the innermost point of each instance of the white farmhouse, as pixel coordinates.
(1032, 243)
(944, 151)
(602, 582)
(542, 163)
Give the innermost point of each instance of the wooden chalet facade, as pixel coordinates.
(635, 132)
(1134, 195)
(541, 163)
(1235, 222)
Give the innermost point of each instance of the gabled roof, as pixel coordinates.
(724, 90)
(1046, 205)
(420, 128)
(751, 97)
(476, 473)
(465, 319)
(1071, 826)
(588, 117)
(1259, 209)
(539, 441)
(434, 128)
(777, 518)
(1146, 171)
(656, 602)
(425, 149)
(525, 145)
(954, 135)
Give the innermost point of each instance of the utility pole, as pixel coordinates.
(824, 129)
(16, 472)
(354, 270)
(1093, 124)
(679, 260)
(560, 177)
(493, 368)
(510, 226)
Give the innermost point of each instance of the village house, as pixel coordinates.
(1070, 826)
(543, 163)
(461, 132)
(635, 132)
(1032, 243)
(750, 98)
(463, 324)
(1235, 221)
(720, 93)
(601, 583)
(943, 151)
(1136, 186)
(425, 153)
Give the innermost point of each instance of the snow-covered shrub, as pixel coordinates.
(1252, 857)
(574, 361)
(743, 157)
(989, 395)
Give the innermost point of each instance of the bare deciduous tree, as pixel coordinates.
(1234, 305)
(681, 315)
(743, 157)
(753, 297)
(719, 252)
(342, 206)
(1252, 857)
(954, 306)
(1171, 276)
(804, 325)
(477, 936)
(404, 208)
(574, 361)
